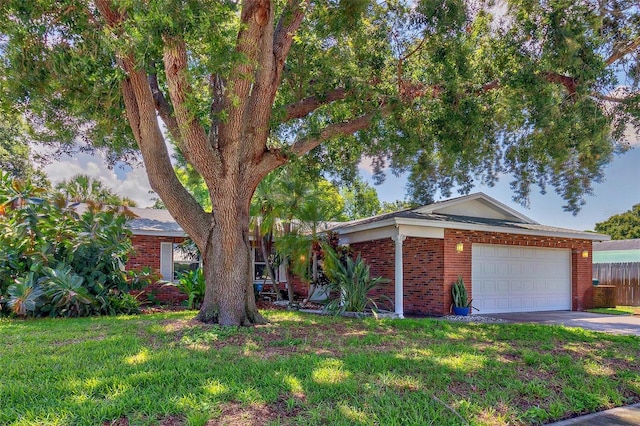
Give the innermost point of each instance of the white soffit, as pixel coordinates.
(368, 235)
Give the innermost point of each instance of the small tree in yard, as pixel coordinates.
(443, 90)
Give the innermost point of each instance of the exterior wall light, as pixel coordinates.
(585, 253)
(459, 247)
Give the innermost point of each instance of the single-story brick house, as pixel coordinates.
(509, 262)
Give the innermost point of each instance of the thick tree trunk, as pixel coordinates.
(229, 298)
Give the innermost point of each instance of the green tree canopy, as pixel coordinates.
(360, 200)
(15, 154)
(454, 93)
(83, 188)
(622, 226)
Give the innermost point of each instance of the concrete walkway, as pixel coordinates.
(622, 416)
(615, 324)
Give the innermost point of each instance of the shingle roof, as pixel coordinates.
(455, 219)
(155, 221)
(633, 244)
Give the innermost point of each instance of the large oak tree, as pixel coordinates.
(451, 92)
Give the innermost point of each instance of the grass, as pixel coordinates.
(166, 369)
(618, 310)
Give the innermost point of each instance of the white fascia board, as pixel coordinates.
(392, 229)
(501, 230)
(366, 227)
(369, 235)
(420, 231)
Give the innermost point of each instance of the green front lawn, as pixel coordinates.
(165, 369)
(618, 310)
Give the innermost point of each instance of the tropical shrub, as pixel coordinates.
(24, 295)
(193, 285)
(123, 303)
(350, 284)
(57, 259)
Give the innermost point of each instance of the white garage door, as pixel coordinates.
(520, 279)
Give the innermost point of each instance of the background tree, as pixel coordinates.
(83, 188)
(15, 154)
(442, 90)
(360, 200)
(622, 226)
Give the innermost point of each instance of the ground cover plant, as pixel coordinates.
(167, 369)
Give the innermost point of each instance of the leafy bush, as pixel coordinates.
(123, 303)
(24, 295)
(65, 293)
(58, 259)
(193, 285)
(350, 282)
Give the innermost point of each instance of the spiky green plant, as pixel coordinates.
(350, 282)
(459, 294)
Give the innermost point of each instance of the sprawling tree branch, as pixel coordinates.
(141, 114)
(305, 106)
(622, 51)
(288, 25)
(254, 16)
(195, 146)
(306, 144)
(164, 109)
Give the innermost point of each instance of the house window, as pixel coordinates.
(260, 272)
(184, 262)
(174, 261)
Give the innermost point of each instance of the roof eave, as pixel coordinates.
(396, 221)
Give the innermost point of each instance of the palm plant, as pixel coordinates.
(351, 283)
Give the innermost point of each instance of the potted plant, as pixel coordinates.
(461, 301)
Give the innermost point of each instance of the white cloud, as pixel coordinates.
(133, 183)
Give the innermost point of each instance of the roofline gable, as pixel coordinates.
(492, 202)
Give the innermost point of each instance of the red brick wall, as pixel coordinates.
(379, 255)
(460, 263)
(423, 269)
(431, 266)
(147, 253)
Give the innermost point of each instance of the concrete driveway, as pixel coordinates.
(615, 324)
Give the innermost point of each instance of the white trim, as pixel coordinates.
(399, 274)
(166, 261)
(502, 230)
(421, 231)
(369, 235)
(347, 235)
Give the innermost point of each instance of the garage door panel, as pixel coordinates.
(520, 279)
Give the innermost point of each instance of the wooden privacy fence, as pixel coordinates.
(625, 276)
